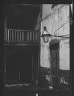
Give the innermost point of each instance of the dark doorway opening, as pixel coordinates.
(54, 54)
(19, 68)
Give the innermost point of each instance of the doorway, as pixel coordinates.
(19, 68)
(54, 54)
(21, 64)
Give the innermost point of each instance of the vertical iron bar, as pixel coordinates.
(20, 36)
(11, 35)
(8, 35)
(29, 36)
(14, 35)
(17, 35)
(23, 35)
(33, 36)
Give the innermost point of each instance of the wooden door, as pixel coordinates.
(54, 54)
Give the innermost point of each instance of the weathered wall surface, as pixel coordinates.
(64, 49)
(64, 20)
(57, 23)
(45, 56)
(64, 53)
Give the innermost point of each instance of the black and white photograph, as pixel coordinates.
(36, 49)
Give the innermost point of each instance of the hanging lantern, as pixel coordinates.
(45, 35)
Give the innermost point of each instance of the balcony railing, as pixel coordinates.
(13, 35)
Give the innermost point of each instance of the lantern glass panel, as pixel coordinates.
(45, 39)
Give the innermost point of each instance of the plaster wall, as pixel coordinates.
(63, 15)
(45, 56)
(46, 10)
(64, 54)
(57, 23)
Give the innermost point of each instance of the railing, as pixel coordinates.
(13, 35)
